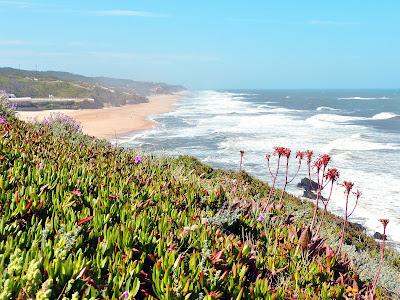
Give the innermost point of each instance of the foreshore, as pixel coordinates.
(112, 122)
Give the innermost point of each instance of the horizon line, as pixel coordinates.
(215, 88)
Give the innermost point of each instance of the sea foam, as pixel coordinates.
(385, 116)
(321, 108)
(364, 98)
(356, 142)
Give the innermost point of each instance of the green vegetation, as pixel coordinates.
(81, 218)
(105, 91)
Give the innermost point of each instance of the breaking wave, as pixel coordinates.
(385, 116)
(326, 108)
(364, 98)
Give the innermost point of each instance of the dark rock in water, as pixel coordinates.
(305, 184)
(310, 195)
(359, 226)
(379, 236)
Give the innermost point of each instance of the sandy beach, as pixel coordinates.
(113, 122)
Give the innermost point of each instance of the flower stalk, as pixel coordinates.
(384, 222)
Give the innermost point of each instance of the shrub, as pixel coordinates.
(6, 108)
(62, 120)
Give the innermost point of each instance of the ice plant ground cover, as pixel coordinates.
(80, 218)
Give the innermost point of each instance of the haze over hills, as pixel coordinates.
(90, 91)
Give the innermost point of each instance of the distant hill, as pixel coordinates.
(104, 90)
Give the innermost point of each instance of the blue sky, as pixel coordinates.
(209, 43)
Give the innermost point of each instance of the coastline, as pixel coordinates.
(111, 122)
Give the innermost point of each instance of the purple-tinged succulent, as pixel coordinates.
(59, 119)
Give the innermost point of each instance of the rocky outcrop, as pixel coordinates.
(379, 236)
(308, 185)
(359, 227)
(311, 195)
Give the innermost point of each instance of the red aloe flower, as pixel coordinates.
(309, 154)
(325, 159)
(282, 152)
(279, 151)
(348, 185)
(287, 152)
(384, 222)
(332, 174)
(317, 164)
(300, 155)
(320, 164)
(322, 161)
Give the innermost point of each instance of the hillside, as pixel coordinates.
(81, 218)
(104, 91)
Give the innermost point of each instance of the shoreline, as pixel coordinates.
(112, 122)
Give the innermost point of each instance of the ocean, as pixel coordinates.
(360, 129)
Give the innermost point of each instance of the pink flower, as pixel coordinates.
(261, 218)
(332, 174)
(77, 192)
(348, 185)
(384, 222)
(317, 164)
(321, 161)
(279, 151)
(325, 158)
(300, 155)
(138, 159)
(204, 221)
(125, 294)
(309, 154)
(3, 120)
(287, 152)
